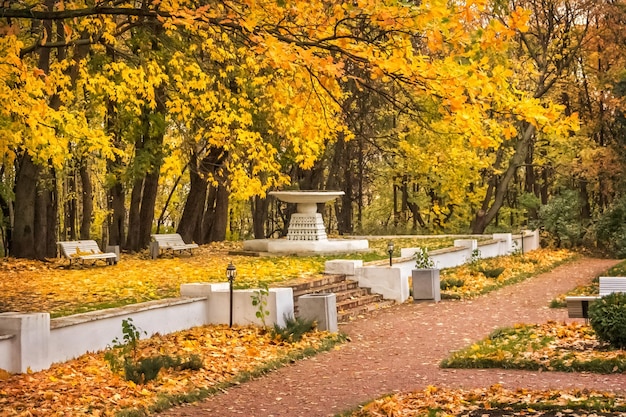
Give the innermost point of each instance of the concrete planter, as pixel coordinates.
(426, 285)
(321, 308)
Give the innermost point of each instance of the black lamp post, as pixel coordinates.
(231, 273)
(390, 250)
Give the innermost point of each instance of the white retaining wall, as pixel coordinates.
(393, 282)
(32, 341)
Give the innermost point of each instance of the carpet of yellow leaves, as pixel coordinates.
(54, 287)
(516, 267)
(434, 401)
(86, 386)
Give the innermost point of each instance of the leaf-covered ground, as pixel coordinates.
(54, 287)
(494, 401)
(592, 288)
(471, 279)
(87, 386)
(550, 346)
(568, 347)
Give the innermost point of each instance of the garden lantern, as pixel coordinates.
(231, 273)
(390, 250)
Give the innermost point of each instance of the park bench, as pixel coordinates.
(169, 241)
(578, 306)
(85, 250)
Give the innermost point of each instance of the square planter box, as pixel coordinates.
(319, 307)
(426, 284)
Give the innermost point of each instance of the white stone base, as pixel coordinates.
(284, 246)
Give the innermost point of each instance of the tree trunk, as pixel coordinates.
(134, 216)
(23, 243)
(87, 200)
(148, 203)
(194, 224)
(203, 233)
(260, 210)
(71, 207)
(220, 216)
(194, 206)
(118, 214)
(500, 188)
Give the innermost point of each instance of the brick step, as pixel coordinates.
(335, 287)
(344, 316)
(311, 285)
(352, 301)
(351, 294)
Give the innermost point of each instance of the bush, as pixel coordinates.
(446, 284)
(560, 218)
(293, 330)
(608, 319)
(491, 272)
(611, 229)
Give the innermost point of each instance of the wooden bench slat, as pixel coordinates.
(84, 250)
(577, 305)
(610, 285)
(171, 241)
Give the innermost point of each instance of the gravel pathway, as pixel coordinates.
(399, 349)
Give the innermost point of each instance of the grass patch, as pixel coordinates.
(618, 270)
(435, 402)
(549, 347)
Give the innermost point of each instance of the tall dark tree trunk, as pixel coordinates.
(71, 209)
(260, 210)
(220, 215)
(118, 213)
(148, 203)
(499, 188)
(27, 176)
(134, 216)
(194, 206)
(87, 200)
(35, 228)
(194, 224)
(46, 221)
(203, 234)
(341, 177)
(530, 183)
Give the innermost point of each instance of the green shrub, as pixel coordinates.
(608, 319)
(293, 330)
(451, 282)
(560, 218)
(492, 272)
(422, 259)
(611, 229)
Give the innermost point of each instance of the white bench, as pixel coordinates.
(85, 250)
(169, 241)
(578, 306)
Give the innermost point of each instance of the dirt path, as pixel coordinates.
(399, 349)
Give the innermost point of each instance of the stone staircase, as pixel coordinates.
(352, 300)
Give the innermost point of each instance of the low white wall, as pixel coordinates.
(33, 341)
(72, 336)
(389, 282)
(392, 281)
